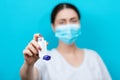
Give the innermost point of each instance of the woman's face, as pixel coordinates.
(66, 16)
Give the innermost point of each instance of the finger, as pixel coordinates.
(27, 52)
(33, 49)
(35, 44)
(36, 36)
(47, 43)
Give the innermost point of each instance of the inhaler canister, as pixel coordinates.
(43, 51)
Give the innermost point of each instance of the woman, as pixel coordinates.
(68, 62)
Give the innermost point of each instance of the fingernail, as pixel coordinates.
(39, 48)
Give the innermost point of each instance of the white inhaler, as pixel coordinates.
(43, 52)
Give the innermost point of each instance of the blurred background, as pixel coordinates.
(20, 19)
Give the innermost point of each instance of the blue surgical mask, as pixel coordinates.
(68, 33)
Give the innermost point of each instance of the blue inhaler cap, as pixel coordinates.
(46, 57)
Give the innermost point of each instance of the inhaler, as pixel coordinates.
(43, 52)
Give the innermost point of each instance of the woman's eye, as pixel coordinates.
(74, 21)
(61, 22)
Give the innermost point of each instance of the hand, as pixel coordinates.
(31, 51)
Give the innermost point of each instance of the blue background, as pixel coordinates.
(20, 19)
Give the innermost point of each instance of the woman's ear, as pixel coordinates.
(53, 27)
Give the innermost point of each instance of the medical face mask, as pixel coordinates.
(68, 33)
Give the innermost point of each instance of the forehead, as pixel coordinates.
(66, 13)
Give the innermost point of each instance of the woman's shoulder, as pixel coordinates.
(91, 52)
(91, 55)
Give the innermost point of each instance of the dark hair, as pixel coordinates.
(61, 6)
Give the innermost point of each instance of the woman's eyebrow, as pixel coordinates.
(61, 19)
(73, 18)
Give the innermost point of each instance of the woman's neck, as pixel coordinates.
(65, 48)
